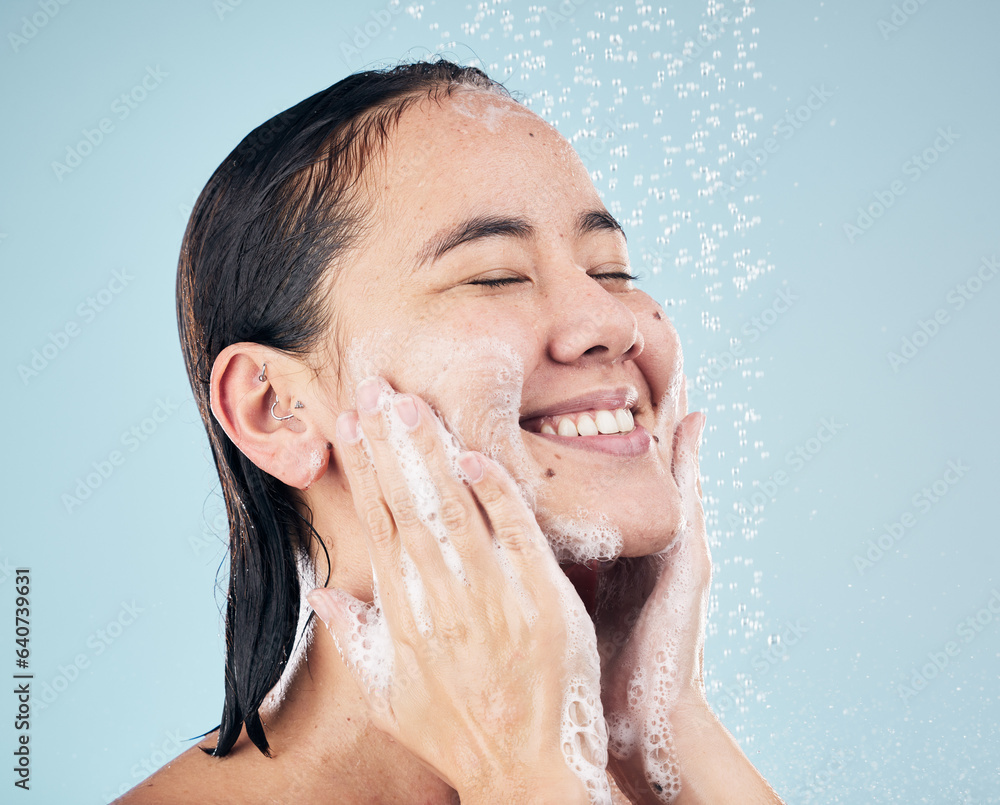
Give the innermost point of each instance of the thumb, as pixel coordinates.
(692, 542)
(353, 625)
(687, 444)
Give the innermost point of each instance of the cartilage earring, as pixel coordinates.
(263, 373)
(298, 404)
(279, 418)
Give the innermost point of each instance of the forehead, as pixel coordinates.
(477, 152)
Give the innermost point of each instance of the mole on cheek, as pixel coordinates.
(550, 473)
(656, 438)
(656, 314)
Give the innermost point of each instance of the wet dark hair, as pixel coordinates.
(273, 220)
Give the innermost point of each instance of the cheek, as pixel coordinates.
(475, 386)
(661, 361)
(472, 381)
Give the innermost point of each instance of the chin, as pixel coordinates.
(650, 532)
(600, 534)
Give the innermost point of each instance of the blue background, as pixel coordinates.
(788, 324)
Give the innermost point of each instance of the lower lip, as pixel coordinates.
(631, 444)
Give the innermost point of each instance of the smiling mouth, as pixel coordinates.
(593, 422)
(599, 421)
(599, 430)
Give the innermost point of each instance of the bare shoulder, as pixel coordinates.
(190, 778)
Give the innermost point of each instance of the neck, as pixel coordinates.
(324, 747)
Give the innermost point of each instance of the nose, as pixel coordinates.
(589, 323)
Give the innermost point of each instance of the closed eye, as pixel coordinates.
(500, 281)
(617, 275)
(496, 283)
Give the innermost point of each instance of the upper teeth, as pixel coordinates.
(590, 424)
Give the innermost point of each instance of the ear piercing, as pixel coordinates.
(298, 404)
(279, 418)
(287, 416)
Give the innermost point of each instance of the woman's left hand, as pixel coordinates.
(651, 630)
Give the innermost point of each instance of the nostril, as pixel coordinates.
(635, 350)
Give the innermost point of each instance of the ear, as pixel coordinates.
(292, 450)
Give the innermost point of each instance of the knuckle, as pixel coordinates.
(514, 537)
(373, 426)
(505, 619)
(451, 629)
(455, 515)
(378, 523)
(403, 509)
(358, 461)
(398, 497)
(491, 495)
(369, 489)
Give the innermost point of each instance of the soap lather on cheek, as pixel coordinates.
(466, 374)
(476, 385)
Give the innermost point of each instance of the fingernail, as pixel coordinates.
(321, 606)
(472, 466)
(347, 427)
(406, 410)
(368, 394)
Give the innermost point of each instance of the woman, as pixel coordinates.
(428, 382)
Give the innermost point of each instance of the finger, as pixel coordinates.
(694, 540)
(444, 505)
(516, 531)
(349, 622)
(377, 524)
(424, 518)
(687, 441)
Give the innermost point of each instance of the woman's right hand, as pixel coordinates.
(490, 674)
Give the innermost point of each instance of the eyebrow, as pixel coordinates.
(493, 226)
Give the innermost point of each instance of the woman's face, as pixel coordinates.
(478, 189)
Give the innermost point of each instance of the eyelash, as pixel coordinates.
(618, 275)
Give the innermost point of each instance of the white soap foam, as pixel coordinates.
(492, 114)
(583, 731)
(657, 686)
(507, 566)
(369, 645)
(426, 498)
(622, 738)
(317, 463)
(655, 733)
(479, 382)
(583, 538)
(308, 580)
(426, 501)
(416, 593)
